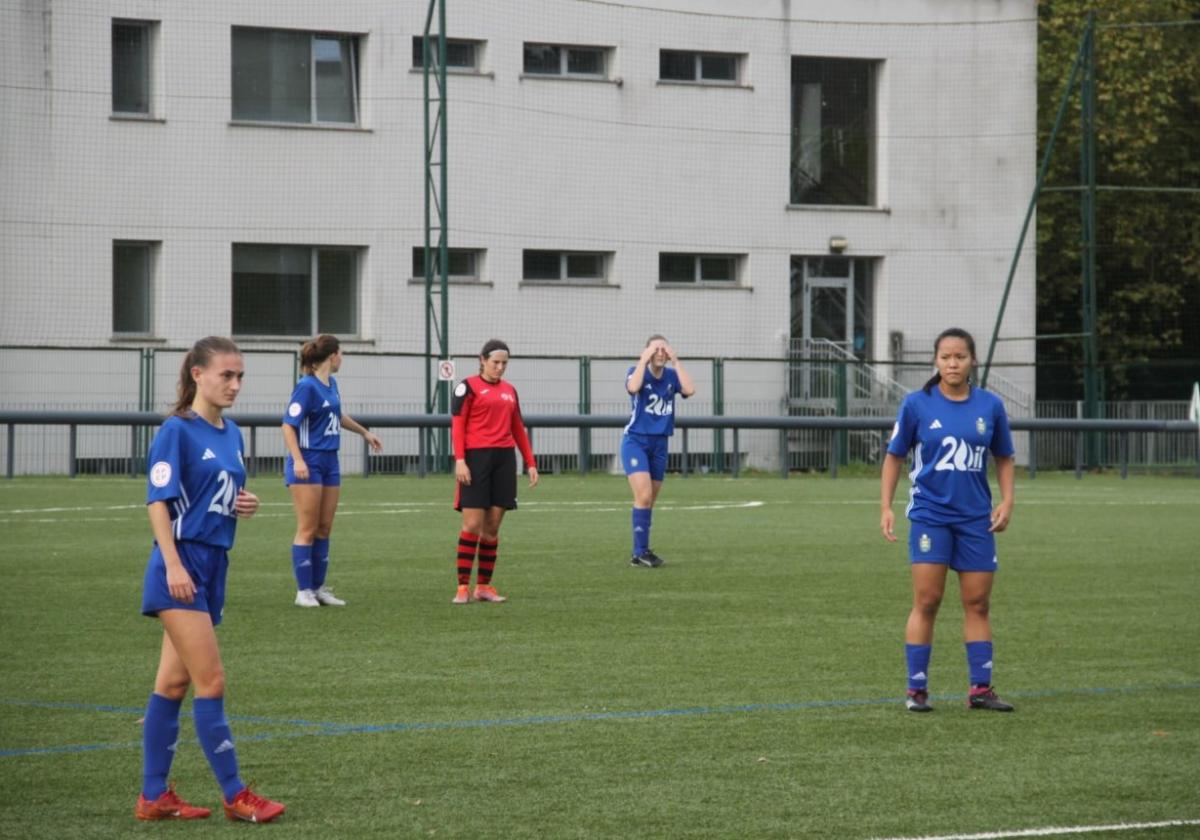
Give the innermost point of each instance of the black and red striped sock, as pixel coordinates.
(487, 560)
(467, 543)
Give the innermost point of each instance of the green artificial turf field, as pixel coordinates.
(752, 687)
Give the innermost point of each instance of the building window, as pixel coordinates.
(685, 66)
(582, 266)
(295, 290)
(461, 54)
(717, 269)
(833, 131)
(294, 77)
(132, 67)
(463, 264)
(133, 288)
(558, 60)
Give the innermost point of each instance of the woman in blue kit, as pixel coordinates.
(195, 493)
(950, 426)
(652, 387)
(312, 432)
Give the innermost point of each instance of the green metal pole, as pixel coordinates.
(437, 316)
(585, 407)
(718, 386)
(1037, 190)
(843, 407)
(1091, 356)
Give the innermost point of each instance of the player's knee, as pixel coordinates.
(927, 603)
(977, 605)
(211, 683)
(172, 688)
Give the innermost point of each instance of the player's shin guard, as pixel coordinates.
(302, 566)
(487, 561)
(212, 730)
(160, 734)
(320, 562)
(641, 530)
(468, 544)
(979, 661)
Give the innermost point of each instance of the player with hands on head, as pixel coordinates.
(486, 430)
(195, 495)
(950, 426)
(312, 433)
(652, 385)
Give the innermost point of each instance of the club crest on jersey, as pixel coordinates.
(461, 390)
(294, 409)
(925, 544)
(980, 426)
(160, 474)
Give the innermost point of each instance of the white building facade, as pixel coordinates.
(747, 177)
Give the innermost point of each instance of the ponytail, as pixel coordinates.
(199, 356)
(317, 350)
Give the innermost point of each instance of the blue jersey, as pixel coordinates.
(315, 411)
(197, 469)
(652, 409)
(950, 441)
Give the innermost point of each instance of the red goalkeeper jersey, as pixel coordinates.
(485, 415)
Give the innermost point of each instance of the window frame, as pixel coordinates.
(874, 69)
(478, 257)
(314, 288)
(564, 61)
(477, 49)
(698, 77)
(564, 278)
(150, 33)
(151, 271)
(355, 39)
(698, 280)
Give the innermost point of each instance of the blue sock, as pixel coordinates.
(979, 660)
(641, 530)
(217, 741)
(918, 666)
(320, 561)
(160, 734)
(302, 566)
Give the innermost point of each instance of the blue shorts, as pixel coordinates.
(644, 453)
(964, 546)
(323, 468)
(207, 564)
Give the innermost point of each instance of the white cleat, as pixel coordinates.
(326, 598)
(306, 598)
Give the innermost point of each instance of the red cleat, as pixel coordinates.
(250, 807)
(168, 807)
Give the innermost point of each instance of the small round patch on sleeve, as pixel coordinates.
(160, 474)
(461, 390)
(294, 409)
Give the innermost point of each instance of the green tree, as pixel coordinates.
(1148, 244)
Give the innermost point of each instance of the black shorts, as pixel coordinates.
(493, 479)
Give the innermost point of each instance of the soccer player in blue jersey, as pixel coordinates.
(195, 493)
(652, 387)
(950, 426)
(312, 427)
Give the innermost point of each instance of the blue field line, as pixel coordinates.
(313, 728)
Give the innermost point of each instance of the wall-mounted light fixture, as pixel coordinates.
(837, 244)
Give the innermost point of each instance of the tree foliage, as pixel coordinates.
(1148, 243)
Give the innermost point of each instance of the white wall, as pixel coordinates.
(634, 168)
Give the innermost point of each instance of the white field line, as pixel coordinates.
(1052, 830)
(386, 508)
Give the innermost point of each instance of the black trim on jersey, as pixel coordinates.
(456, 401)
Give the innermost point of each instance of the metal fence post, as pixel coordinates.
(833, 453)
(12, 443)
(254, 451)
(1032, 455)
(685, 453)
(783, 454)
(737, 460)
(72, 438)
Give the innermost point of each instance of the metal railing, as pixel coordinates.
(1117, 433)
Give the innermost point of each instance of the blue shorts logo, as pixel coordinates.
(925, 544)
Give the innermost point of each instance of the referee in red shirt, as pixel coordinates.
(486, 429)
